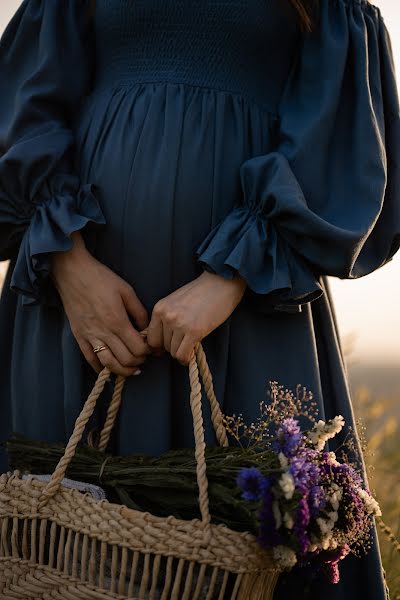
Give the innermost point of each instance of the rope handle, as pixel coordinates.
(216, 414)
(198, 363)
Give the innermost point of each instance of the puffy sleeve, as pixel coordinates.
(46, 66)
(326, 199)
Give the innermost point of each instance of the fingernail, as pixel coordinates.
(137, 372)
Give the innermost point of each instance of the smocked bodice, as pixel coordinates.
(243, 46)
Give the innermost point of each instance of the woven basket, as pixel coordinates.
(57, 542)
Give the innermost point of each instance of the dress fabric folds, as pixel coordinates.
(42, 201)
(182, 136)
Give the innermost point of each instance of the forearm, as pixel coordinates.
(70, 259)
(237, 283)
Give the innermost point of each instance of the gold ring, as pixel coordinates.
(98, 348)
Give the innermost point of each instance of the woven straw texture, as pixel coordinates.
(58, 542)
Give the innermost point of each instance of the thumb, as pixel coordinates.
(134, 307)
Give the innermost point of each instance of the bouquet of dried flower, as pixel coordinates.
(277, 481)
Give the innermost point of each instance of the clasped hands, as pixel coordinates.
(191, 312)
(98, 304)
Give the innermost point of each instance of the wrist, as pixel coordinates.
(237, 282)
(69, 260)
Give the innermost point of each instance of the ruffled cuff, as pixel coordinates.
(52, 222)
(245, 244)
(248, 242)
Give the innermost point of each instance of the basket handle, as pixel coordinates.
(197, 362)
(216, 414)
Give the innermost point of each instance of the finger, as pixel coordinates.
(134, 307)
(107, 359)
(159, 351)
(176, 340)
(134, 342)
(89, 355)
(132, 339)
(123, 355)
(155, 338)
(167, 335)
(185, 350)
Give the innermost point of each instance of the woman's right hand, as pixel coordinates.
(97, 303)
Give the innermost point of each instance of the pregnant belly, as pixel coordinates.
(166, 160)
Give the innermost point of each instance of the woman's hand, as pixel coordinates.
(190, 313)
(97, 303)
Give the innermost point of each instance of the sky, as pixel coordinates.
(367, 309)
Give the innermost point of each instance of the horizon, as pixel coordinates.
(366, 308)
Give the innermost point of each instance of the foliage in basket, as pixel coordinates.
(277, 481)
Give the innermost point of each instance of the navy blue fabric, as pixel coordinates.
(329, 192)
(182, 136)
(41, 199)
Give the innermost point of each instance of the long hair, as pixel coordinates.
(307, 13)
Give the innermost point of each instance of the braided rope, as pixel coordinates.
(112, 413)
(195, 405)
(80, 423)
(216, 413)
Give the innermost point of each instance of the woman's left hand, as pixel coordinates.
(182, 319)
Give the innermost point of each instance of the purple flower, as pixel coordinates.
(341, 473)
(251, 482)
(301, 523)
(305, 473)
(268, 536)
(288, 437)
(354, 516)
(316, 500)
(314, 474)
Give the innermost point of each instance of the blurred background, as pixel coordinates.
(368, 313)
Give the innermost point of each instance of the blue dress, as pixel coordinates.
(182, 135)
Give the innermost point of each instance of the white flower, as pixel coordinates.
(336, 424)
(286, 482)
(370, 503)
(332, 458)
(288, 520)
(333, 516)
(285, 556)
(325, 543)
(328, 542)
(335, 497)
(277, 514)
(325, 525)
(283, 460)
(321, 432)
(334, 503)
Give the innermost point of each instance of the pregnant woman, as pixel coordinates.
(195, 168)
